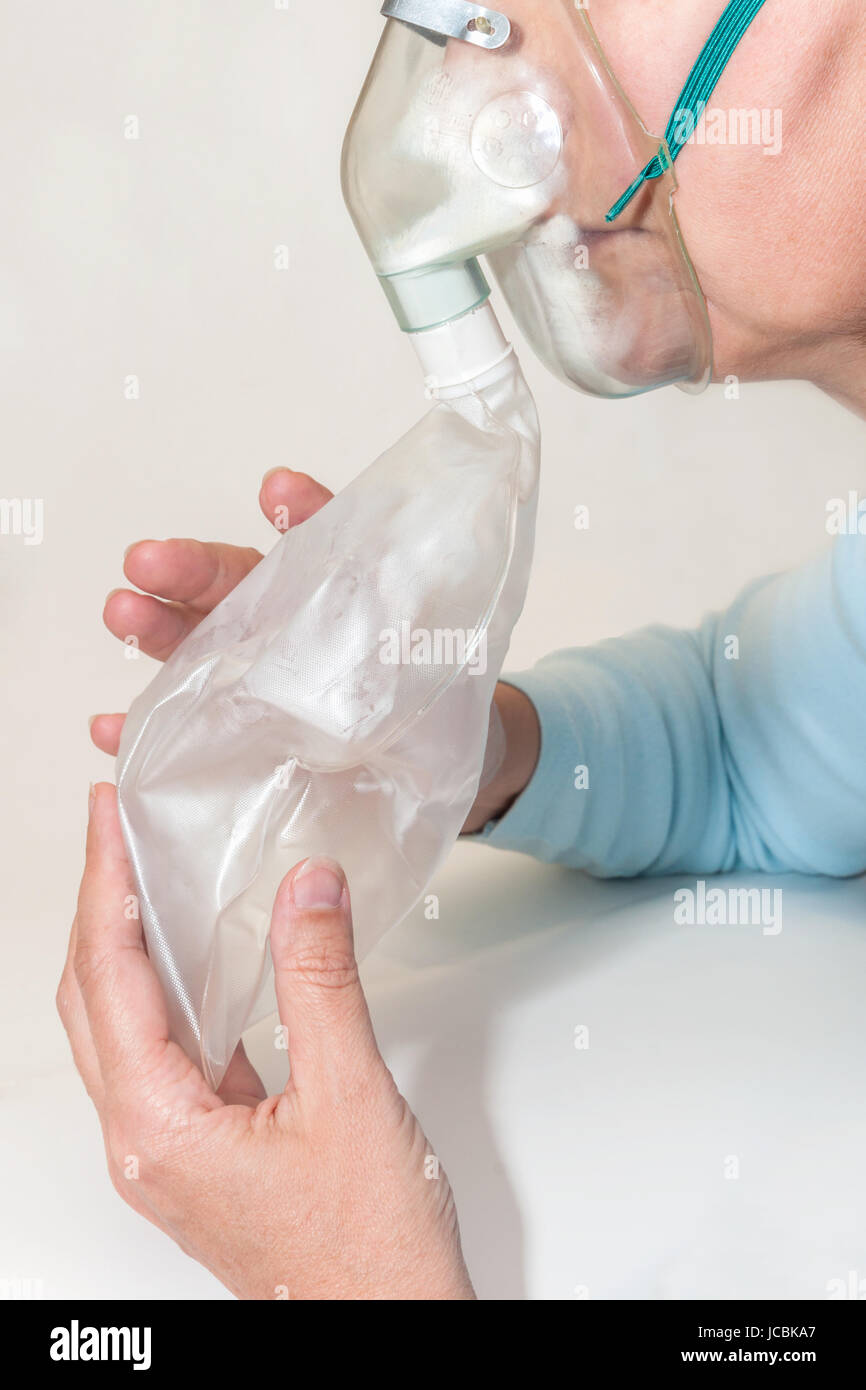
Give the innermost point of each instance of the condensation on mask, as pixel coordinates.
(336, 703)
(517, 153)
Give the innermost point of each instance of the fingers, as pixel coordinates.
(122, 997)
(184, 580)
(322, 1006)
(197, 574)
(158, 628)
(105, 731)
(193, 576)
(288, 498)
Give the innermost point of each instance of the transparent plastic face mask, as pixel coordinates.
(508, 135)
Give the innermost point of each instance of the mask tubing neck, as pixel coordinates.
(459, 353)
(435, 294)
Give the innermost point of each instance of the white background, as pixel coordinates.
(598, 1171)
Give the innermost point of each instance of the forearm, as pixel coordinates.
(628, 761)
(740, 745)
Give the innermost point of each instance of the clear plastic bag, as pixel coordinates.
(337, 702)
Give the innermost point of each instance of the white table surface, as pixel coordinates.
(579, 1173)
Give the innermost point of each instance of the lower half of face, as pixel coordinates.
(772, 182)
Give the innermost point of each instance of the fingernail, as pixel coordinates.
(91, 798)
(318, 885)
(271, 471)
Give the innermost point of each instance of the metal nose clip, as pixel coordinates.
(453, 19)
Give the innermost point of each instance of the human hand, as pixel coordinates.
(183, 580)
(327, 1191)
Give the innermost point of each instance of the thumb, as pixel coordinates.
(322, 1007)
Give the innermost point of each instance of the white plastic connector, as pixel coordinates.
(458, 353)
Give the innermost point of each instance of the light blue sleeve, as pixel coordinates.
(741, 745)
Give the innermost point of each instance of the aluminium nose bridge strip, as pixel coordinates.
(453, 19)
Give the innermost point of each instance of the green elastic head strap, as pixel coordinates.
(703, 79)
